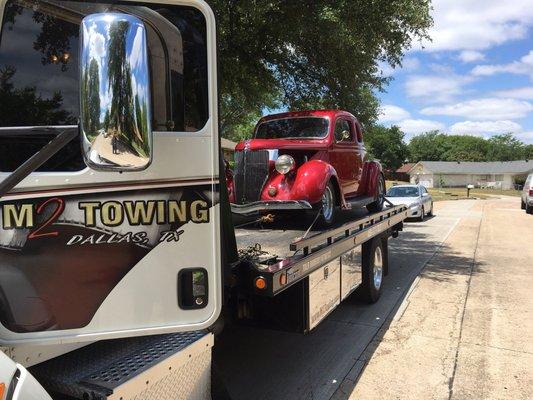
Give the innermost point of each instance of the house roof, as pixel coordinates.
(227, 144)
(405, 168)
(468, 167)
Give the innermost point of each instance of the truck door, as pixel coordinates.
(118, 233)
(344, 156)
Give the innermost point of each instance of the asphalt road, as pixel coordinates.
(266, 364)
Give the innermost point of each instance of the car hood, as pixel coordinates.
(408, 201)
(271, 144)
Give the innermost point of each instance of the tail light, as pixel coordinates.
(531, 192)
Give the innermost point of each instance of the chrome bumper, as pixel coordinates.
(277, 205)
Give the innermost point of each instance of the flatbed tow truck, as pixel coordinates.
(119, 257)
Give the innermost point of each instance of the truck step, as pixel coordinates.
(96, 372)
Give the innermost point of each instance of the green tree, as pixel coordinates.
(319, 54)
(387, 145)
(505, 147)
(93, 87)
(428, 146)
(37, 111)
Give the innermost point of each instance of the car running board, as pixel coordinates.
(359, 202)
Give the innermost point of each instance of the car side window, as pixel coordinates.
(343, 131)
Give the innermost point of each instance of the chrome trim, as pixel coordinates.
(275, 205)
(115, 106)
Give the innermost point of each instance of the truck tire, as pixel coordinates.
(328, 206)
(377, 205)
(529, 209)
(374, 268)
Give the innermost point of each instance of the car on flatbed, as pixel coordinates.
(527, 195)
(416, 197)
(306, 160)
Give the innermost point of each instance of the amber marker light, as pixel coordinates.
(260, 283)
(283, 279)
(2, 390)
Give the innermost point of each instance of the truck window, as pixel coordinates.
(39, 74)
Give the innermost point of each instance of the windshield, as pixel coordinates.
(293, 128)
(403, 191)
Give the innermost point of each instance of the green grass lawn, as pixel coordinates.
(440, 194)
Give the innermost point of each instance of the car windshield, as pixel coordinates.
(403, 191)
(293, 128)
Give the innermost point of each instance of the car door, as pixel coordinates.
(344, 156)
(426, 198)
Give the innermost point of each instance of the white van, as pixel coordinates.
(527, 195)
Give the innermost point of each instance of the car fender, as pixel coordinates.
(369, 179)
(307, 183)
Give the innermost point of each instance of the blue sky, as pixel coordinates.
(474, 77)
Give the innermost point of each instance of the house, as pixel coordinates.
(228, 148)
(402, 173)
(494, 174)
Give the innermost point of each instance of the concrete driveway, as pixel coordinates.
(454, 321)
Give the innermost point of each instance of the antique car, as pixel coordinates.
(310, 160)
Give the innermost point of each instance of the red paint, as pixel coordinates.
(60, 207)
(343, 162)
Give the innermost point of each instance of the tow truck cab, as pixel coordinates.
(115, 230)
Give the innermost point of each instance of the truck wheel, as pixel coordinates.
(529, 209)
(328, 206)
(374, 265)
(377, 205)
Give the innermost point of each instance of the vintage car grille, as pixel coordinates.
(250, 175)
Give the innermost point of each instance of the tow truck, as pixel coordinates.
(119, 256)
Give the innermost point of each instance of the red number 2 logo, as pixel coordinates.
(38, 232)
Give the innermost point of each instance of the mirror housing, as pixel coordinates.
(115, 106)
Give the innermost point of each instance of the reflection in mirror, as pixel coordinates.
(115, 119)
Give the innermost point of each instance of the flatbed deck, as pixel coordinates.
(297, 251)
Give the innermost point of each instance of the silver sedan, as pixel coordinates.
(415, 197)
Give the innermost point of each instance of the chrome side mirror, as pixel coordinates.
(115, 117)
(346, 135)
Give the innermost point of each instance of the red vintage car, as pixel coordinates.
(304, 161)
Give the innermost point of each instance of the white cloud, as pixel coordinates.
(436, 88)
(416, 126)
(525, 93)
(468, 56)
(522, 67)
(526, 137)
(492, 109)
(410, 64)
(97, 44)
(478, 24)
(390, 113)
(484, 127)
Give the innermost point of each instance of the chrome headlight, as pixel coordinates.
(414, 205)
(285, 164)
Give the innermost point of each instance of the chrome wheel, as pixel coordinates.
(378, 268)
(327, 204)
(381, 192)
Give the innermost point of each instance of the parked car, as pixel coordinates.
(527, 195)
(415, 197)
(304, 161)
